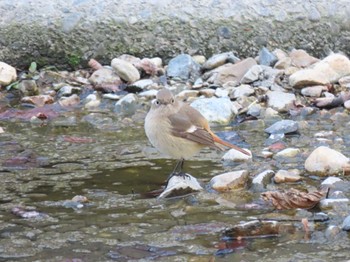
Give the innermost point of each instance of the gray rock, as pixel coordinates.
(149, 93)
(219, 59)
(254, 110)
(127, 106)
(260, 181)
(266, 57)
(183, 67)
(283, 127)
(28, 88)
(313, 91)
(8, 74)
(229, 181)
(346, 224)
(280, 101)
(143, 83)
(330, 203)
(104, 76)
(242, 90)
(125, 70)
(221, 92)
(288, 152)
(181, 185)
(254, 74)
(215, 110)
(68, 90)
(325, 161)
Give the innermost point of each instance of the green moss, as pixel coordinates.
(74, 60)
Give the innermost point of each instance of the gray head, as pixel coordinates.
(164, 97)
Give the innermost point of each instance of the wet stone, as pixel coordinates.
(283, 127)
(183, 67)
(260, 181)
(127, 105)
(181, 185)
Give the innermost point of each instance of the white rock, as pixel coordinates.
(2, 130)
(127, 105)
(178, 184)
(252, 75)
(330, 181)
(229, 181)
(216, 110)
(325, 161)
(157, 61)
(104, 76)
(242, 90)
(313, 91)
(143, 83)
(221, 92)
(92, 101)
(149, 93)
(125, 70)
(111, 96)
(260, 181)
(280, 101)
(284, 176)
(234, 155)
(347, 104)
(8, 74)
(288, 152)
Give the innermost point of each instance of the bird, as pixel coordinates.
(180, 131)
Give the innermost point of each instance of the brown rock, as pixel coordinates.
(229, 181)
(301, 59)
(285, 176)
(229, 72)
(39, 100)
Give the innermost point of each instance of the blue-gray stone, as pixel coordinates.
(266, 57)
(283, 127)
(346, 224)
(183, 67)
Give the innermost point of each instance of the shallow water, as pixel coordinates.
(109, 161)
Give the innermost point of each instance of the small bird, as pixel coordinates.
(178, 130)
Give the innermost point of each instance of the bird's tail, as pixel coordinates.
(222, 142)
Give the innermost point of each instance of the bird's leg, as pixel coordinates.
(177, 170)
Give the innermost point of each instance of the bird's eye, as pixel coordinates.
(157, 102)
(172, 100)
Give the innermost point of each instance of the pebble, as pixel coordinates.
(69, 101)
(234, 155)
(324, 161)
(127, 105)
(280, 101)
(185, 94)
(260, 181)
(288, 152)
(8, 74)
(149, 93)
(285, 176)
(39, 100)
(180, 185)
(104, 76)
(143, 83)
(253, 74)
(266, 57)
(242, 90)
(183, 67)
(125, 70)
(218, 60)
(221, 92)
(346, 224)
(283, 127)
(28, 87)
(229, 181)
(215, 110)
(301, 58)
(313, 91)
(68, 90)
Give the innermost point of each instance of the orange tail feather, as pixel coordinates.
(224, 143)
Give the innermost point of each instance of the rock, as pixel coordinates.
(280, 101)
(2, 130)
(8, 74)
(149, 93)
(39, 100)
(288, 152)
(229, 72)
(92, 101)
(207, 92)
(183, 67)
(215, 110)
(181, 185)
(199, 59)
(219, 59)
(344, 81)
(284, 176)
(185, 94)
(266, 57)
(242, 90)
(28, 88)
(229, 181)
(346, 224)
(330, 203)
(105, 76)
(69, 101)
(143, 83)
(302, 59)
(330, 181)
(325, 161)
(347, 104)
(328, 70)
(157, 61)
(283, 63)
(313, 91)
(127, 106)
(125, 70)
(68, 90)
(283, 127)
(234, 155)
(113, 96)
(254, 74)
(221, 92)
(260, 181)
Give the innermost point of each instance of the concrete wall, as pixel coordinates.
(69, 32)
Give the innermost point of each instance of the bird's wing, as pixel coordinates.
(182, 126)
